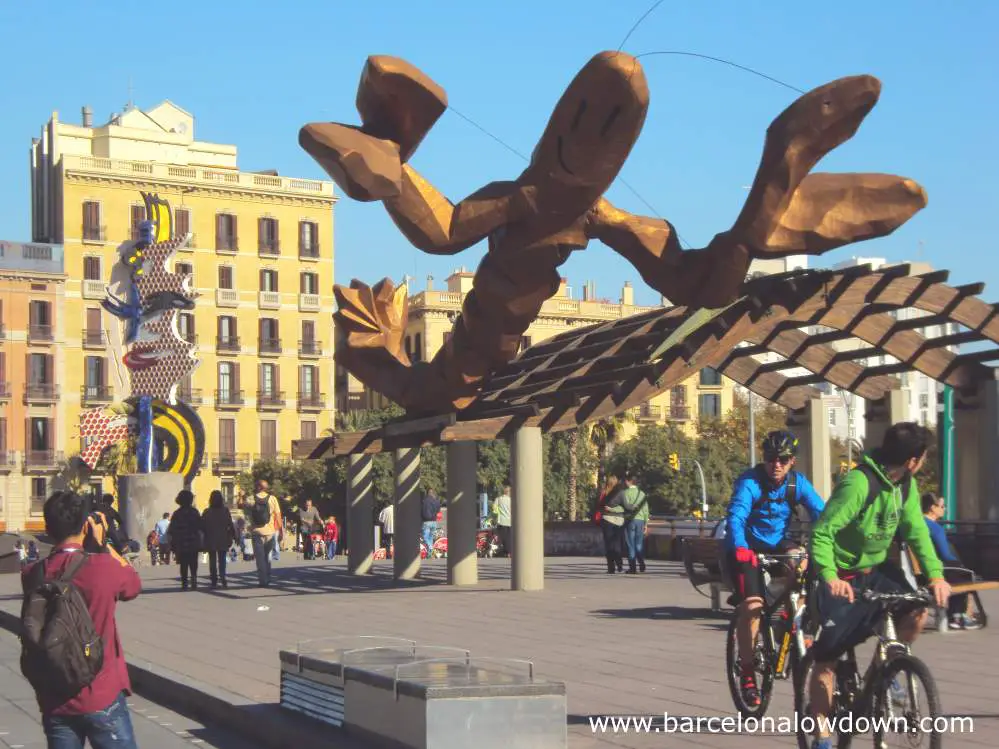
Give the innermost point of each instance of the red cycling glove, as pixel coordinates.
(746, 556)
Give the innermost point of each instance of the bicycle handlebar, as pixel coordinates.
(768, 558)
(920, 596)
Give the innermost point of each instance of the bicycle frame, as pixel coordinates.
(787, 602)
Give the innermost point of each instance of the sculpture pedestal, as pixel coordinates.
(144, 497)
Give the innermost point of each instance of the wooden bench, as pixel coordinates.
(704, 561)
(972, 587)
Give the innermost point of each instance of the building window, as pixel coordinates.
(268, 280)
(308, 331)
(832, 417)
(267, 236)
(924, 400)
(39, 319)
(93, 323)
(227, 331)
(3, 438)
(268, 380)
(308, 239)
(95, 372)
(268, 438)
(227, 381)
(709, 406)
(225, 277)
(308, 430)
(309, 283)
(184, 269)
(40, 369)
(91, 268)
(92, 231)
(40, 437)
(225, 232)
(710, 377)
(137, 214)
(181, 221)
(227, 436)
(270, 339)
(308, 378)
(228, 489)
(39, 492)
(185, 326)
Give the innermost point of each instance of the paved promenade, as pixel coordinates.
(625, 645)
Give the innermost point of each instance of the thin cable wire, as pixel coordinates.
(476, 125)
(723, 62)
(639, 23)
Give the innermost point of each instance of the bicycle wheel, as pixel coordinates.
(762, 667)
(803, 704)
(899, 712)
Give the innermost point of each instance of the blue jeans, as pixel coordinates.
(330, 549)
(429, 527)
(634, 536)
(107, 729)
(262, 550)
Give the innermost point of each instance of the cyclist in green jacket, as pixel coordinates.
(849, 549)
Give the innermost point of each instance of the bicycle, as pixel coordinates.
(875, 696)
(779, 645)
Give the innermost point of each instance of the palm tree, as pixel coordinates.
(603, 436)
(119, 460)
(573, 442)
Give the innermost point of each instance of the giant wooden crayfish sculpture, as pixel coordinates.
(555, 206)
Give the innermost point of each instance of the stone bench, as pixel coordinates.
(395, 693)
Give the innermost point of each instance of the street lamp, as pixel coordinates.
(704, 491)
(752, 431)
(848, 406)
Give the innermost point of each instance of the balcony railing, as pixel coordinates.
(226, 244)
(192, 396)
(308, 302)
(647, 412)
(226, 298)
(309, 348)
(3, 331)
(229, 398)
(679, 412)
(93, 233)
(230, 462)
(269, 300)
(227, 345)
(40, 334)
(4, 390)
(6, 461)
(270, 399)
(93, 338)
(308, 252)
(189, 337)
(93, 288)
(41, 392)
(270, 345)
(269, 249)
(42, 458)
(311, 401)
(96, 394)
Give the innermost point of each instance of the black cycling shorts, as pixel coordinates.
(747, 580)
(846, 625)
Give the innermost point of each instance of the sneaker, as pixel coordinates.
(969, 622)
(750, 692)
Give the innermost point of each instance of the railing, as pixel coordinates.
(93, 338)
(230, 462)
(192, 396)
(309, 348)
(197, 174)
(308, 252)
(3, 331)
(269, 300)
(269, 249)
(93, 289)
(679, 412)
(40, 333)
(583, 309)
(41, 391)
(270, 399)
(269, 345)
(310, 401)
(230, 345)
(226, 298)
(4, 390)
(94, 233)
(647, 412)
(96, 394)
(308, 302)
(226, 244)
(6, 460)
(42, 458)
(229, 398)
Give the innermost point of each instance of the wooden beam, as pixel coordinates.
(419, 426)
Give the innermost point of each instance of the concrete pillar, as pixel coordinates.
(360, 515)
(527, 510)
(406, 563)
(976, 450)
(811, 426)
(462, 514)
(880, 415)
(144, 497)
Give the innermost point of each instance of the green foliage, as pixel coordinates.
(493, 472)
(558, 468)
(646, 456)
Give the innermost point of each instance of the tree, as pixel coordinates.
(603, 436)
(118, 460)
(74, 475)
(646, 456)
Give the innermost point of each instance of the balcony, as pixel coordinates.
(40, 334)
(93, 338)
(268, 400)
(309, 349)
(43, 392)
(230, 462)
(40, 460)
(4, 391)
(225, 245)
(311, 401)
(93, 288)
(308, 302)
(269, 345)
(93, 233)
(269, 300)
(192, 397)
(228, 345)
(648, 412)
(229, 398)
(96, 394)
(189, 337)
(6, 461)
(308, 252)
(270, 248)
(679, 412)
(226, 298)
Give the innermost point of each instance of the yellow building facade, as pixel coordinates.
(432, 314)
(260, 260)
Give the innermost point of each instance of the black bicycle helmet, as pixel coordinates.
(780, 444)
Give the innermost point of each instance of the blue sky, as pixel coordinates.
(253, 72)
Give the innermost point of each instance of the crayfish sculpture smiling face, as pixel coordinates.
(556, 207)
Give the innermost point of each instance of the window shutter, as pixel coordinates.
(233, 327)
(219, 230)
(235, 378)
(104, 372)
(261, 232)
(3, 366)
(262, 287)
(277, 379)
(49, 369)
(301, 236)
(27, 369)
(219, 329)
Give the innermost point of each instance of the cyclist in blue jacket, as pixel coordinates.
(763, 501)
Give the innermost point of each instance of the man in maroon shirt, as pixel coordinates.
(99, 711)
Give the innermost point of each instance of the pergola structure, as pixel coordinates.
(596, 371)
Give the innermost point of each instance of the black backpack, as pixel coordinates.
(260, 513)
(790, 494)
(61, 651)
